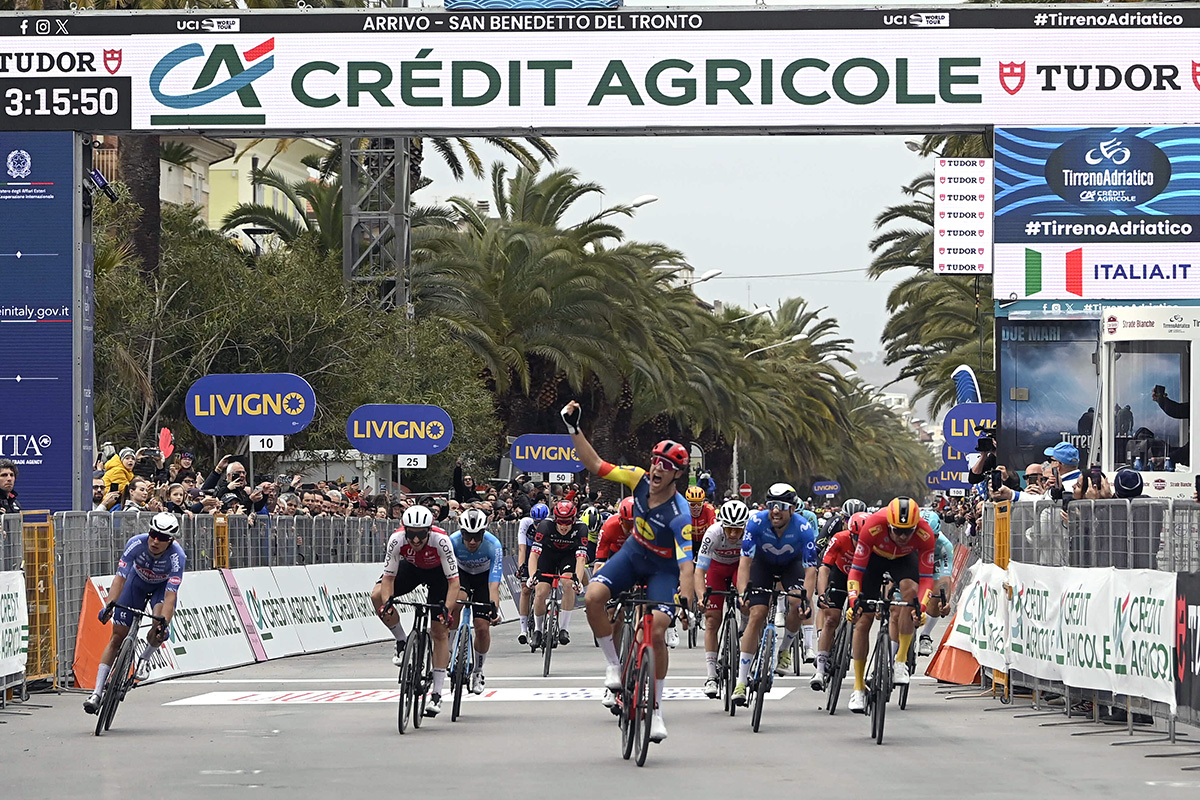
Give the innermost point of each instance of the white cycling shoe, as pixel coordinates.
(658, 729)
(900, 674)
(609, 700)
(672, 638)
(612, 677)
(858, 701)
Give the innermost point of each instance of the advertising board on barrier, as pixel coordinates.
(421, 71)
(1187, 640)
(269, 403)
(981, 627)
(345, 594)
(412, 430)
(14, 624)
(276, 615)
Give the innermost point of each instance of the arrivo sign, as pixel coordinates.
(408, 71)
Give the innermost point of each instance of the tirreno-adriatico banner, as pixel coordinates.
(634, 70)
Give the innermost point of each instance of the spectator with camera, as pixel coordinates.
(148, 463)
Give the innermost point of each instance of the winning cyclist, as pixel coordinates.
(536, 514)
(895, 540)
(779, 545)
(481, 567)
(662, 557)
(716, 568)
(420, 554)
(559, 547)
(150, 569)
(834, 574)
(943, 557)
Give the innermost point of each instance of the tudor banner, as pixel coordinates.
(421, 71)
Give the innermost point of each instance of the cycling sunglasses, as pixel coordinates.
(162, 537)
(903, 531)
(473, 536)
(778, 505)
(416, 534)
(664, 464)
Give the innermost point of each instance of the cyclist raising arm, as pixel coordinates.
(150, 569)
(662, 557)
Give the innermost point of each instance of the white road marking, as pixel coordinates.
(496, 678)
(359, 696)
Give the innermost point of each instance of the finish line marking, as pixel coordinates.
(356, 696)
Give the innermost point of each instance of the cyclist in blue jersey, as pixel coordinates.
(480, 570)
(661, 557)
(537, 513)
(943, 566)
(779, 546)
(150, 569)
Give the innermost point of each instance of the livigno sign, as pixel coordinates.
(420, 71)
(266, 404)
(545, 452)
(399, 429)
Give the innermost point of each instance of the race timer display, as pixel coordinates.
(65, 103)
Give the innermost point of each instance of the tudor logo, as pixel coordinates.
(112, 61)
(1110, 324)
(1012, 76)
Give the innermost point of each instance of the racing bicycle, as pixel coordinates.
(127, 669)
(416, 668)
(462, 652)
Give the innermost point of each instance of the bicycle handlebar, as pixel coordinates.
(141, 613)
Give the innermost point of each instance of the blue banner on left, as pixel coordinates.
(263, 404)
(404, 430)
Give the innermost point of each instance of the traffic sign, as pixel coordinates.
(744, 490)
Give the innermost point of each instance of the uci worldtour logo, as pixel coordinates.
(224, 71)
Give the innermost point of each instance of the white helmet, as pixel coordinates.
(473, 521)
(733, 514)
(417, 517)
(165, 523)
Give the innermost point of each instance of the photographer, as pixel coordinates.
(148, 463)
(1064, 473)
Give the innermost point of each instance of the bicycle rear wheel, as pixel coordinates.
(838, 665)
(629, 676)
(462, 648)
(643, 706)
(118, 677)
(423, 666)
(408, 684)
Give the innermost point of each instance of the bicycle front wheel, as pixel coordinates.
(729, 661)
(766, 672)
(644, 706)
(627, 699)
(423, 677)
(881, 686)
(902, 700)
(462, 647)
(408, 684)
(837, 666)
(118, 678)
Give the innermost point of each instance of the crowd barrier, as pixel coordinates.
(14, 632)
(87, 544)
(1101, 604)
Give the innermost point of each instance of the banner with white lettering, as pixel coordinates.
(14, 623)
(981, 627)
(274, 612)
(1142, 608)
(344, 591)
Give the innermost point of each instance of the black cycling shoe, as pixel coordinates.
(564, 637)
(92, 704)
(535, 640)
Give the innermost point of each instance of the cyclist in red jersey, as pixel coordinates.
(614, 532)
(894, 540)
(703, 515)
(834, 574)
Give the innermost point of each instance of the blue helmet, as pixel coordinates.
(931, 517)
(539, 511)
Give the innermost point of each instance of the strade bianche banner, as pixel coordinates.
(636, 70)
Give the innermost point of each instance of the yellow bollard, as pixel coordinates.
(40, 595)
(221, 544)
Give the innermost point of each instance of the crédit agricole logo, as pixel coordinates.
(183, 92)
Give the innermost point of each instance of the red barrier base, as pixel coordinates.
(951, 665)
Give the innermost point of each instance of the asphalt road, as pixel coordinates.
(306, 740)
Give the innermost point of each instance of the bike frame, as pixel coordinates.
(122, 677)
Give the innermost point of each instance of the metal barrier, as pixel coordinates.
(1142, 533)
(12, 551)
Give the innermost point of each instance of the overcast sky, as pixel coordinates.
(752, 206)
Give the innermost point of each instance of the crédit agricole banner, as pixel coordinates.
(631, 70)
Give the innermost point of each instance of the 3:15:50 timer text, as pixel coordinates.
(60, 101)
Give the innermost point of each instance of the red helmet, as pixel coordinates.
(856, 522)
(564, 512)
(672, 452)
(625, 510)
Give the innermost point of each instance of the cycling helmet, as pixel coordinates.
(417, 516)
(164, 523)
(565, 512)
(903, 513)
(857, 522)
(673, 453)
(473, 521)
(694, 494)
(782, 492)
(931, 517)
(592, 514)
(625, 510)
(733, 514)
(853, 506)
(539, 511)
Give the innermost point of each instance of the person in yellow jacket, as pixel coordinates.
(119, 470)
